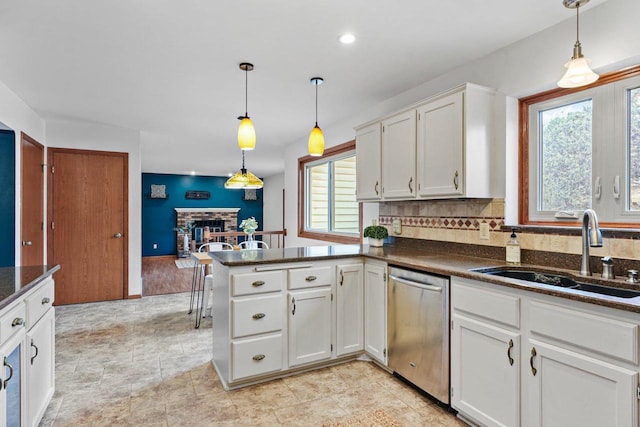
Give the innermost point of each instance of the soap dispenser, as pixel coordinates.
(513, 248)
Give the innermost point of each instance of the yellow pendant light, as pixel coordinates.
(316, 138)
(243, 179)
(578, 71)
(246, 131)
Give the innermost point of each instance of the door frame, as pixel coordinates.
(26, 138)
(125, 157)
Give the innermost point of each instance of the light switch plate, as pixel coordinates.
(484, 231)
(397, 226)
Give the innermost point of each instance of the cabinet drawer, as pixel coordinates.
(256, 315)
(592, 332)
(310, 277)
(496, 306)
(13, 321)
(39, 302)
(253, 283)
(256, 356)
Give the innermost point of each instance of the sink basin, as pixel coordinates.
(533, 276)
(559, 281)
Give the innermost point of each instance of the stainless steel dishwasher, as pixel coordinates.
(418, 325)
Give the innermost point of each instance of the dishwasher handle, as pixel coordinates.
(416, 284)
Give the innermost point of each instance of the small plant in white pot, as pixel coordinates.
(376, 234)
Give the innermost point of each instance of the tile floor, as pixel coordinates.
(141, 363)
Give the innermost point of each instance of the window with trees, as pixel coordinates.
(580, 149)
(327, 205)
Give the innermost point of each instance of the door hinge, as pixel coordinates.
(52, 226)
(451, 391)
(452, 324)
(384, 277)
(638, 392)
(331, 348)
(53, 169)
(332, 296)
(44, 167)
(42, 226)
(384, 352)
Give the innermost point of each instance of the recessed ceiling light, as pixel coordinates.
(347, 38)
(193, 173)
(230, 174)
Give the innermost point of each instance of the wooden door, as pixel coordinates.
(88, 224)
(32, 206)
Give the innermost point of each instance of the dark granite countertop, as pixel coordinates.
(431, 262)
(16, 281)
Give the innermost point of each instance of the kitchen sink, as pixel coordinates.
(559, 281)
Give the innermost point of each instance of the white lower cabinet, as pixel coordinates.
(309, 325)
(12, 381)
(40, 366)
(256, 356)
(570, 389)
(349, 309)
(375, 310)
(523, 359)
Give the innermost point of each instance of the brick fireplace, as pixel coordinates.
(226, 216)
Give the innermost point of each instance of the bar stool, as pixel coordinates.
(208, 278)
(202, 259)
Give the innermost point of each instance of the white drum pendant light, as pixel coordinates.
(316, 138)
(246, 131)
(578, 71)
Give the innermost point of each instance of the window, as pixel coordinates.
(581, 150)
(328, 209)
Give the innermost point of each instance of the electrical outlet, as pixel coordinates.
(155, 246)
(397, 226)
(484, 231)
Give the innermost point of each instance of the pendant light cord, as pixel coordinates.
(316, 83)
(246, 93)
(578, 22)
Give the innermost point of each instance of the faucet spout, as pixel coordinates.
(591, 236)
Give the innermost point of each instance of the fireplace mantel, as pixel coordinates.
(209, 210)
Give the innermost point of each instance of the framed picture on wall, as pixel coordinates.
(250, 194)
(158, 191)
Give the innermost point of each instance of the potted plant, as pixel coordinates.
(186, 234)
(249, 226)
(376, 234)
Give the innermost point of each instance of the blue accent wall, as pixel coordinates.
(7, 198)
(159, 215)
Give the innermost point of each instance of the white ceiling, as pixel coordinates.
(169, 68)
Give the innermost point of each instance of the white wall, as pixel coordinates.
(93, 136)
(272, 202)
(17, 116)
(609, 39)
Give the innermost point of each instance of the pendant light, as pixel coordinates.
(316, 138)
(243, 179)
(246, 131)
(578, 71)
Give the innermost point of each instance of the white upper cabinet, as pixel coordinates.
(399, 156)
(368, 182)
(438, 148)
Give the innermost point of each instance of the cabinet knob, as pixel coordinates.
(45, 300)
(18, 321)
(258, 316)
(257, 283)
(259, 357)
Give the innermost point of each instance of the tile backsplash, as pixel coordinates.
(459, 221)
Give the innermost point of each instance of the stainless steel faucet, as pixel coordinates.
(590, 237)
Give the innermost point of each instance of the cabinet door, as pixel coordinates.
(12, 402)
(569, 389)
(368, 183)
(375, 311)
(485, 372)
(440, 147)
(350, 309)
(399, 156)
(309, 326)
(40, 366)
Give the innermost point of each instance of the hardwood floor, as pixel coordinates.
(161, 276)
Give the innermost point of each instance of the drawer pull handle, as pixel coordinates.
(18, 321)
(257, 283)
(45, 300)
(293, 310)
(341, 278)
(410, 186)
(455, 180)
(35, 355)
(534, 371)
(310, 278)
(376, 189)
(259, 357)
(509, 352)
(258, 316)
(6, 363)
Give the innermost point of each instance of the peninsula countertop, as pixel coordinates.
(16, 281)
(431, 262)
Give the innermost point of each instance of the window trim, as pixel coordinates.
(325, 236)
(524, 146)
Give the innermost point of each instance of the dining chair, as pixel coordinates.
(258, 244)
